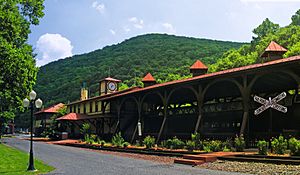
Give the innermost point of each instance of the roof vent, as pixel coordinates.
(198, 68)
(273, 52)
(148, 80)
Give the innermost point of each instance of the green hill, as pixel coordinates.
(167, 57)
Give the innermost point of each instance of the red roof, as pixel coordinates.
(52, 109)
(75, 116)
(148, 78)
(111, 79)
(213, 75)
(273, 46)
(239, 70)
(198, 65)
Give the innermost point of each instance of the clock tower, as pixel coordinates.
(108, 85)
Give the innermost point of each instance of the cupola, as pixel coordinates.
(198, 68)
(273, 52)
(148, 80)
(108, 85)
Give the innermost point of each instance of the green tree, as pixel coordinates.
(266, 27)
(296, 18)
(17, 64)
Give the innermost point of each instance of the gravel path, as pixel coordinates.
(76, 161)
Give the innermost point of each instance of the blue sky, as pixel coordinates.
(72, 27)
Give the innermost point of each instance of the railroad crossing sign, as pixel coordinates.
(266, 104)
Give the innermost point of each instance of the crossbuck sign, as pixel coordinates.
(270, 103)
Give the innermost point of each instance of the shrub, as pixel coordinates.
(117, 140)
(190, 145)
(101, 142)
(88, 139)
(85, 129)
(279, 145)
(294, 146)
(262, 146)
(174, 143)
(239, 143)
(206, 148)
(149, 141)
(213, 145)
(125, 144)
(163, 144)
(225, 149)
(227, 144)
(216, 145)
(197, 139)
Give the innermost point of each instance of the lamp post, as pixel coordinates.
(38, 104)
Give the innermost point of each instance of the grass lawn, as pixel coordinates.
(14, 162)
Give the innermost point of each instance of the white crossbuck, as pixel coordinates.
(270, 103)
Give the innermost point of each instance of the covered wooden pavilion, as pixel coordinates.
(218, 105)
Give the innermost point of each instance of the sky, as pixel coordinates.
(72, 27)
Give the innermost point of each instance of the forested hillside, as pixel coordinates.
(167, 57)
(287, 36)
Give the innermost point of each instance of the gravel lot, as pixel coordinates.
(253, 168)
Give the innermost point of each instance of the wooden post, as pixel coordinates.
(246, 106)
(200, 98)
(165, 117)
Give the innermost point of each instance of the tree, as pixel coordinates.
(265, 28)
(17, 63)
(296, 18)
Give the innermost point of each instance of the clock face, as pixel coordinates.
(112, 86)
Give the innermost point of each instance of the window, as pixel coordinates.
(84, 108)
(78, 108)
(74, 108)
(70, 109)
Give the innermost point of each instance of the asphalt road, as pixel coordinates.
(76, 161)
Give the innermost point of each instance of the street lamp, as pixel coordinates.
(38, 104)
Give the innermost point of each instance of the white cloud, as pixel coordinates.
(51, 47)
(112, 32)
(133, 19)
(99, 6)
(169, 27)
(126, 28)
(137, 23)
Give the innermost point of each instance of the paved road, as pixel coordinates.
(75, 161)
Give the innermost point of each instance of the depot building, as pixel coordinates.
(218, 105)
